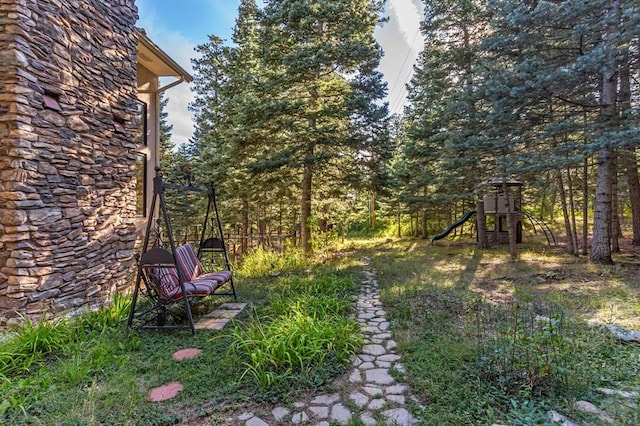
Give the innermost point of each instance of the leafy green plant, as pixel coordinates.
(305, 323)
(106, 317)
(31, 343)
(521, 350)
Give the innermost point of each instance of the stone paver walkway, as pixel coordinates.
(217, 319)
(369, 391)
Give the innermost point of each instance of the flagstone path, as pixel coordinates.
(369, 391)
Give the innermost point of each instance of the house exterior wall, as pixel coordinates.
(148, 93)
(67, 177)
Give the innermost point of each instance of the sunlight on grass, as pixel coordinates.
(433, 294)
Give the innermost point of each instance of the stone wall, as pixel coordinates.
(67, 174)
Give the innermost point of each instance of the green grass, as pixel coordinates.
(92, 370)
(304, 333)
(433, 294)
(298, 335)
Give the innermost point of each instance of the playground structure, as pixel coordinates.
(504, 198)
(500, 197)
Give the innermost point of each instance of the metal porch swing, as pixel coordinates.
(173, 275)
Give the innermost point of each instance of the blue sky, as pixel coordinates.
(177, 27)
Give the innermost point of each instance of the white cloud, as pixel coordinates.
(408, 14)
(402, 42)
(181, 50)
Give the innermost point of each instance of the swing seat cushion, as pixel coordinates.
(190, 265)
(188, 262)
(169, 284)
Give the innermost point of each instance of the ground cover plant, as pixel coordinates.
(484, 340)
(93, 370)
(489, 340)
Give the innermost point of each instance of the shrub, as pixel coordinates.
(522, 347)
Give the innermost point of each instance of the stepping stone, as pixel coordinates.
(233, 306)
(325, 399)
(279, 413)
(397, 389)
(398, 399)
(359, 399)
(376, 404)
(188, 353)
(355, 376)
(211, 323)
(389, 358)
(298, 418)
(164, 392)
(320, 412)
(340, 414)
(400, 416)
(246, 416)
(379, 376)
(222, 313)
(374, 350)
(256, 421)
(372, 390)
(367, 420)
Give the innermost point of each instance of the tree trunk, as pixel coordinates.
(305, 207)
(585, 206)
(483, 237)
(572, 212)
(628, 156)
(244, 236)
(565, 214)
(372, 210)
(424, 224)
(511, 224)
(399, 219)
(615, 214)
(633, 183)
(601, 244)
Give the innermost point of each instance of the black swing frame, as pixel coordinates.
(159, 257)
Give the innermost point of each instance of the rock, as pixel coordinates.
(379, 376)
(621, 394)
(279, 413)
(559, 419)
(325, 399)
(623, 334)
(298, 418)
(399, 416)
(340, 414)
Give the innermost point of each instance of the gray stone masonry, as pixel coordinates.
(67, 162)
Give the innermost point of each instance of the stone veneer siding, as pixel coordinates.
(67, 178)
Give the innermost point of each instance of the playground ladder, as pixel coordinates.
(551, 239)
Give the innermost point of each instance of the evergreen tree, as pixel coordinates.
(321, 86)
(166, 144)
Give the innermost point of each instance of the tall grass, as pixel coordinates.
(33, 341)
(260, 262)
(304, 328)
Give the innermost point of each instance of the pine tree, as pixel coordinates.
(320, 90)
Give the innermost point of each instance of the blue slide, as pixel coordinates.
(453, 226)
